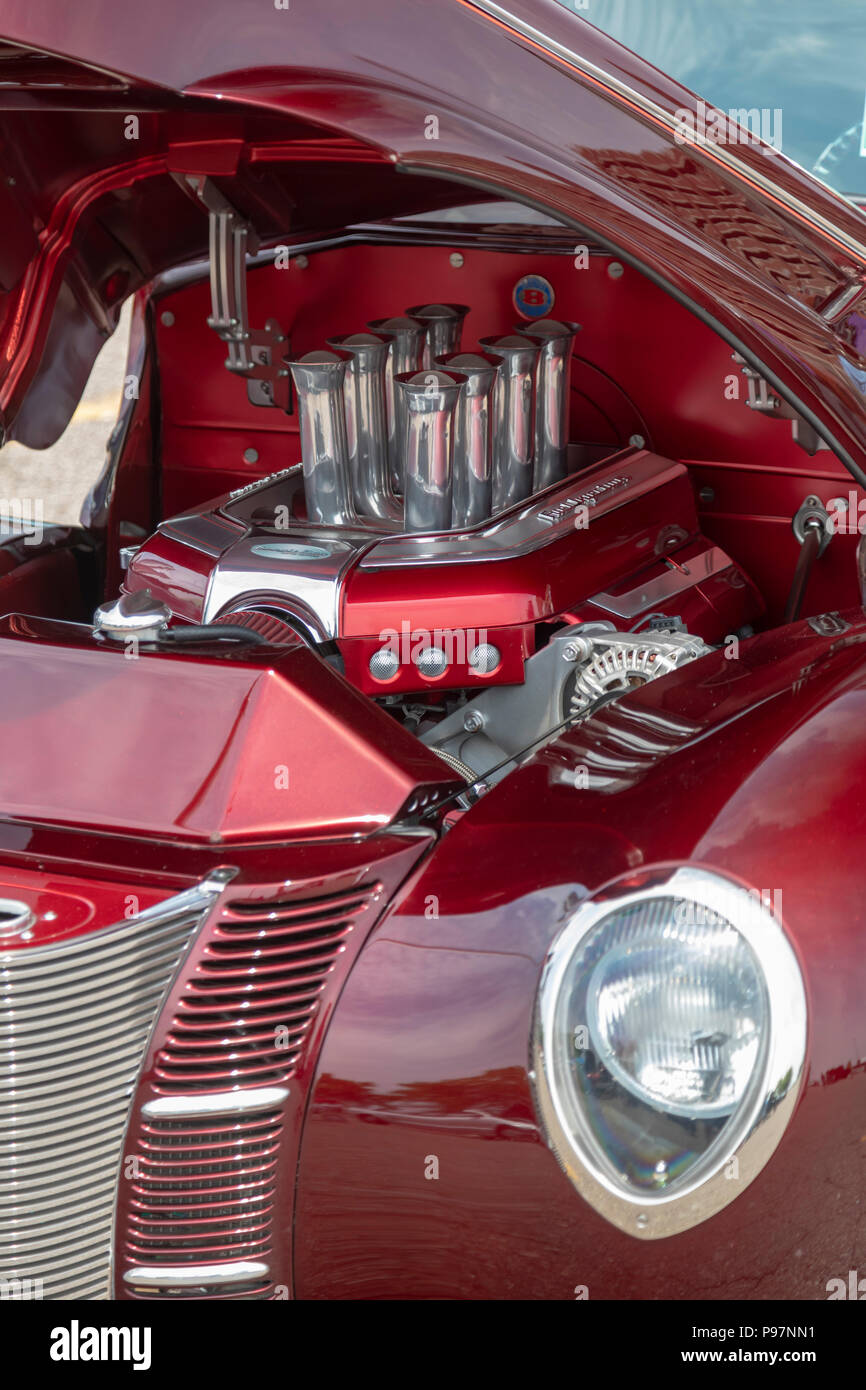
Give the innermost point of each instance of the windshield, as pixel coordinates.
(801, 64)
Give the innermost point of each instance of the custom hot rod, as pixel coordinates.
(432, 806)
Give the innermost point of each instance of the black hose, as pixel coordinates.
(216, 632)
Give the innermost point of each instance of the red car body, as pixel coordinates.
(370, 967)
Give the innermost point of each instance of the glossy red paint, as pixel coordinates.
(753, 767)
(166, 565)
(637, 202)
(145, 774)
(65, 906)
(720, 600)
(244, 742)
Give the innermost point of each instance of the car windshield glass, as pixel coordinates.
(800, 64)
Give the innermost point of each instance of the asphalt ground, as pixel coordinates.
(60, 477)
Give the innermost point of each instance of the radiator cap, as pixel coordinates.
(132, 615)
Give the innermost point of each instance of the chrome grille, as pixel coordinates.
(75, 1018)
(205, 1194)
(205, 1189)
(245, 1013)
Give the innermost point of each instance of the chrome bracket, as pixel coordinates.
(765, 402)
(761, 398)
(812, 515)
(254, 354)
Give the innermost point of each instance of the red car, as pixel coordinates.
(432, 774)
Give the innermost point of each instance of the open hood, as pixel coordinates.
(319, 116)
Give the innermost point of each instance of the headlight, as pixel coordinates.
(669, 1043)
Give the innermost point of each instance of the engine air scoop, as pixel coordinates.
(229, 744)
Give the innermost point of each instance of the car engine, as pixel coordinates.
(449, 550)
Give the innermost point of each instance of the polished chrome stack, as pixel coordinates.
(400, 430)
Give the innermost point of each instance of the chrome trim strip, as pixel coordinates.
(195, 1276)
(843, 301)
(720, 153)
(248, 489)
(186, 901)
(531, 524)
(696, 570)
(216, 1103)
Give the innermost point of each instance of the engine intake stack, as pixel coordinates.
(435, 439)
(445, 585)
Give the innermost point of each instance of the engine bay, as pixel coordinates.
(447, 545)
(467, 510)
(607, 566)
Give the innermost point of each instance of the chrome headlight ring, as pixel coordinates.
(591, 1111)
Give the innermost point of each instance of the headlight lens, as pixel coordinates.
(676, 1009)
(671, 1025)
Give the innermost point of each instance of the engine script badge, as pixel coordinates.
(589, 498)
(289, 550)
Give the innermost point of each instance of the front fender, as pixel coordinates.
(753, 767)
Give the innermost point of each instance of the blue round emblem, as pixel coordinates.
(533, 297)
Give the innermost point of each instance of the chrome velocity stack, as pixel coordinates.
(405, 337)
(430, 399)
(514, 417)
(472, 467)
(555, 339)
(443, 325)
(319, 379)
(366, 429)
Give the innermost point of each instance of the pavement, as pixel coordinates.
(62, 476)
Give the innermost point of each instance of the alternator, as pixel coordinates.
(628, 660)
(581, 668)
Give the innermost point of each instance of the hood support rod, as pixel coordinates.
(254, 354)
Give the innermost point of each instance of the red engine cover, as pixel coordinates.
(617, 541)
